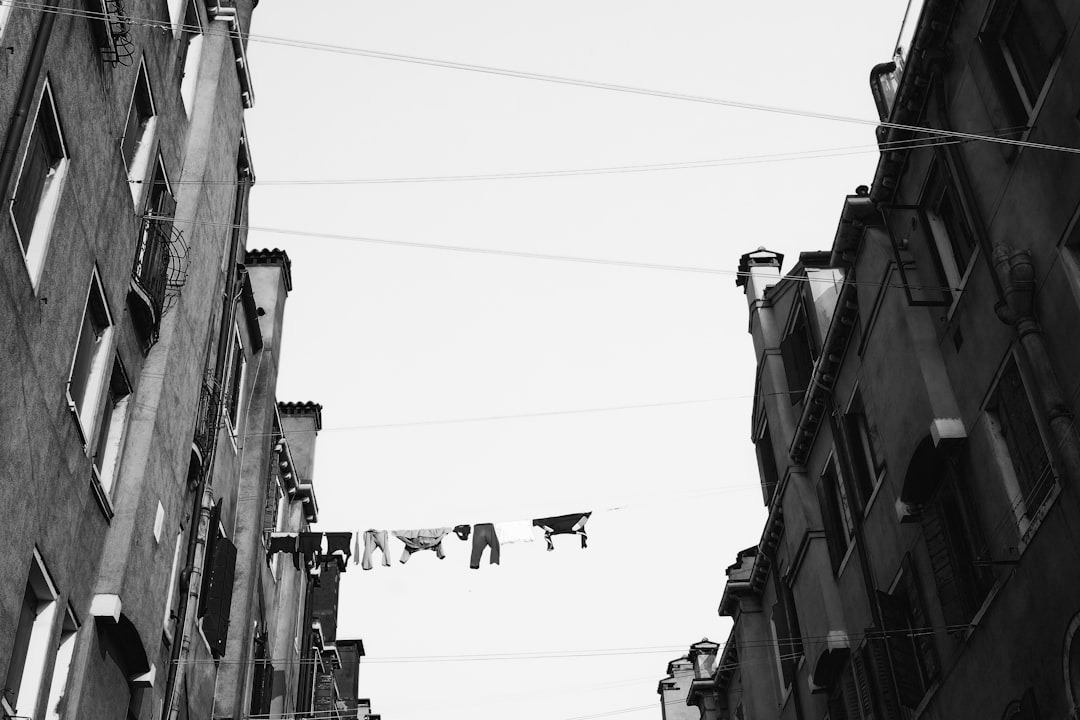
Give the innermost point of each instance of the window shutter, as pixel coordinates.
(941, 562)
(875, 658)
(901, 648)
(864, 698)
(212, 533)
(848, 702)
(924, 640)
(262, 682)
(829, 519)
(218, 597)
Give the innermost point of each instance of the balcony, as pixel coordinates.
(112, 32)
(158, 274)
(207, 421)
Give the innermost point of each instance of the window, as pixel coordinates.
(54, 709)
(32, 646)
(189, 53)
(863, 689)
(798, 354)
(5, 10)
(150, 272)
(139, 132)
(953, 241)
(1024, 39)
(836, 512)
(111, 31)
(110, 427)
(911, 647)
(867, 454)
(1029, 478)
(89, 366)
(37, 195)
(786, 633)
(215, 599)
(233, 386)
(770, 476)
(168, 623)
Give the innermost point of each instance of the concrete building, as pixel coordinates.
(147, 464)
(915, 401)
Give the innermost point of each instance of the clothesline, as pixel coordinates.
(311, 548)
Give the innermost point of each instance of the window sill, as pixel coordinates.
(101, 495)
(1036, 521)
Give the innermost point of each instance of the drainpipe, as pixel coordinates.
(1016, 273)
(26, 95)
(204, 497)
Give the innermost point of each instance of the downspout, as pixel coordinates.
(204, 497)
(1016, 273)
(26, 95)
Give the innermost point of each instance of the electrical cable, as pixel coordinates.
(870, 634)
(617, 169)
(546, 256)
(556, 79)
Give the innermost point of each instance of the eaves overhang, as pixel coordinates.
(924, 59)
(826, 369)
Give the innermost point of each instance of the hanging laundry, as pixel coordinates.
(338, 547)
(516, 531)
(573, 524)
(283, 542)
(375, 539)
(310, 547)
(484, 536)
(417, 540)
(462, 531)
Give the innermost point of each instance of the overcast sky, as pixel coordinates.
(410, 337)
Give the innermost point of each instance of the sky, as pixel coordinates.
(473, 385)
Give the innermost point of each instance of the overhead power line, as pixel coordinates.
(546, 256)
(558, 79)
(609, 170)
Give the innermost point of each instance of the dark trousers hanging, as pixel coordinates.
(484, 536)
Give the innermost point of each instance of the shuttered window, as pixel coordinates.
(1020, 429)
(262, 681)
(910, 640)
(215, 622)
(215, 600)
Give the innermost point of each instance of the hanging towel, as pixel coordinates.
(417, 540)
(517, 531)
(572, 524)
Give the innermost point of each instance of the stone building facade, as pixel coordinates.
(915, 401)
(146, 462)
